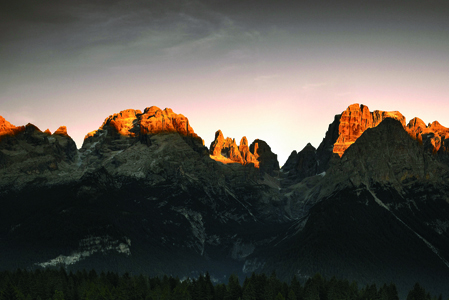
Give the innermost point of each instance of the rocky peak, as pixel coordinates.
(301, 165)
(27, 151)
(434, 136)
(405, 161)
(225, 150)
(258, 153)
(62, 130)
(247, 156)
(5, 126)
(268, 161)
(154, 120)
(7, 129)
(355, 120)
(132, 123)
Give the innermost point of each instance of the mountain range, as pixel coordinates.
(145, 195)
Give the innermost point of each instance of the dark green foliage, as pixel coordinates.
(53, 284)
(418, 293)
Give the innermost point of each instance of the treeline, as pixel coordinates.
(58, 284)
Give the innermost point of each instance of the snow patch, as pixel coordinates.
(87, 247)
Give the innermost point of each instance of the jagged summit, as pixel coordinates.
(226, 150)
(258, 153)
(133, 123)
(355, 120)
(7, 129)
(434, 136)
(62, 130)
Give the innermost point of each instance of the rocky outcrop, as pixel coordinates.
(225, 150)
(26, 150)
(301, 165)
(134, 123)
(7, 129)
(120, 130)
(355, 120)
(246, 154)
(325, 151)
(434, 136)
(258, 153)
(268, 161)
(348, 127)
(406, 161)
(62, 130)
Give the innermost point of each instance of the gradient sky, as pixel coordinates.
(274, 70)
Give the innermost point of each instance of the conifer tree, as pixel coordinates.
(417, 293)
(234, 290)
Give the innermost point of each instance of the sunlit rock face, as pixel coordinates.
(434, 136)
(62, 130)
(355, 120)
(259, 154)
(7, 128)
(133, 123)
(226, 150)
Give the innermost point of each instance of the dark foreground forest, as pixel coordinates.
(58, 285)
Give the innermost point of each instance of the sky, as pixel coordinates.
(273, 70)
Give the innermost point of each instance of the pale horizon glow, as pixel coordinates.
(276, 71)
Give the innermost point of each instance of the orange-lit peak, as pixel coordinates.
(153, 120)
(62, 130)
(7, 129)
(355, 120)
(434, 134)
(5, 126)
(437, 126)
(227, 151)
(416, 123)
(151, 110)
(243, 141)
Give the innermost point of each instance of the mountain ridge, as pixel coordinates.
(144, 194)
